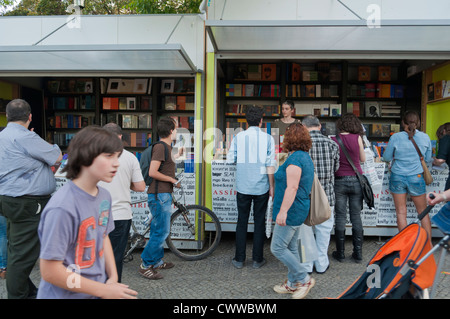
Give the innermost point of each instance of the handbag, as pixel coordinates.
(426, 172)
(319, 210)
(365, 184)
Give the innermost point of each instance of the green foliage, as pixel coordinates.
(100, 7)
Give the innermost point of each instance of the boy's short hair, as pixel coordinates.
(18, 110)
(86, 145)
(165, 126)
(253, 115)
(113, 127)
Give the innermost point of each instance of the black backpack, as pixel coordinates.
(146, 158)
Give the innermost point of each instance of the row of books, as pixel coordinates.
(374, 109)
(179, 85)
(255, 72)
(312, 90)
(137, 121)
(384, 73)
(438, 90)
(82, 102)
(136, 139)
(125, 86)
(323, 71)
(143, 103)
(257, 90)
(240, 109)
(70, 86)
(186, 122)
(379, 90)
(70, 121)
(381, 130)
(62, 139)
(325, 109)
(178, 102)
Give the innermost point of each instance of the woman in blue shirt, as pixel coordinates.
(293, 182)
(406, 168)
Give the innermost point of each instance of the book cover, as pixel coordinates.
(438, 86)
(335, 109)
(145, 121)
(122, 103)
(370, 90)
(170, 103)
(241, 72)
(372, 109)
(131, 103)
(376, 130)
(384, 73)
(430, 92)
(363, 73)
(446, 89)
(254, 72)
(295, 72)
(269, 72)
(181, 102)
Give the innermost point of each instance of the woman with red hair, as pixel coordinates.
(293, 182)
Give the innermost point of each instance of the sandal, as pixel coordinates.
(3, 273)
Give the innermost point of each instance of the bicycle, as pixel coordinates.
(195, 231)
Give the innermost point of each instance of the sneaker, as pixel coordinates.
(237, 264)
(303, 289)
(149, 273)
(284, 289)
(257, 264)
(165, 265)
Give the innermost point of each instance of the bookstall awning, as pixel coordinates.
(90, 59)
(353, 39)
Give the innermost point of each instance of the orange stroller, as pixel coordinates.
(402, 268)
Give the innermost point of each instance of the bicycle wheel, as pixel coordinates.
(194, 232)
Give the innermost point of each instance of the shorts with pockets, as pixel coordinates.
(414, 185)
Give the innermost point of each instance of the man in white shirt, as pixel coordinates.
(128, 177)
(253, 151)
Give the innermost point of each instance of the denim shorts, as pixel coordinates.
(414, 185)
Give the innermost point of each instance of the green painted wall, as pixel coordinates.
(438, 113)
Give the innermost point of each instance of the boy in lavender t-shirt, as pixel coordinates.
(76, 258)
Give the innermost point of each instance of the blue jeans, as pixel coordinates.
(161, 210)
(3, 243)
(348, 190)
(284, 246)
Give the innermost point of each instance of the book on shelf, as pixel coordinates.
(144, 121)
(384, 73)
(257, 90)
(254, 72)
(354, 107)
(446, 89)
(376, 130)
(438, 89)
(269, 72)
(310, 76)
(110, 103)
(170, 103)
(181, 102)
(146, 103)
(241, 71)
(395, 128)
(295, 72)
(372, 109)
(190, 103)
(323, 71)
(134, 139)
(430, 92)
(335, 109)
(130, 121)
(363, 73)
(335, 72)
(390, 110)
(122, 103)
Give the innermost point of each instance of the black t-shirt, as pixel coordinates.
(444, 149)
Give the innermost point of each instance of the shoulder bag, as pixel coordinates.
(426, 172)
(365, 184)
(319, 210)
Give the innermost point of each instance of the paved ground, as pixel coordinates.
(215, 277)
